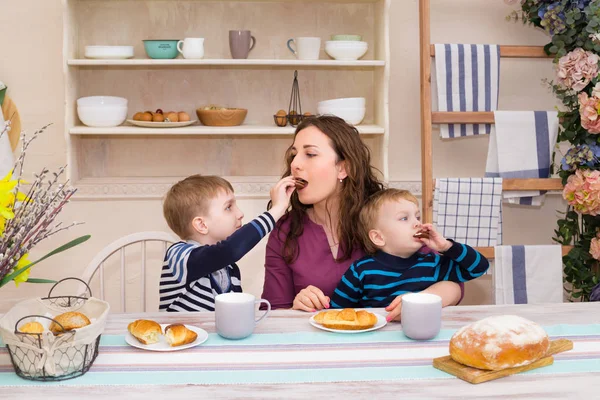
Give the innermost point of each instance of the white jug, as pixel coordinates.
(192, 47)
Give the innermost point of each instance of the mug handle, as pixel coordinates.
(179, 48)
(253, 42)
(290, 47)
(266, 312)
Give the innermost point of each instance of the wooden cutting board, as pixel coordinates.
(475, 375)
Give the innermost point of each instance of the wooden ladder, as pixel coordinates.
(429, 117)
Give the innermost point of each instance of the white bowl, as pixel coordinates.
(101, 101)
(346, 50)
(102, 116)
(352, 116)
(347, 102)
(109, 52)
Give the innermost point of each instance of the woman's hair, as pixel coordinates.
(357, 187)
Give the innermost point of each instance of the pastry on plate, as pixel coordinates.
(346, 319)
(145, 331)
(179, 334)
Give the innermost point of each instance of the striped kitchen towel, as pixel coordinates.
(521, 147)
(467, 80)
(469, 210)
(528, 274)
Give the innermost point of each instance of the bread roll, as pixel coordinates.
(499, 342)
(178, 335)
(145, 331)
(346, 319)
(32, 327)
(69, 321)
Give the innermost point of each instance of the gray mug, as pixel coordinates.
(235, 314)
(240, 44)
(421, 316)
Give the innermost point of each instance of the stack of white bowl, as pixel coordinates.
(351, 109)
(346, 50)
(102, 111)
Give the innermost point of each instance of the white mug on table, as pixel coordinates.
(307, 48)
(192, 47)
(235, 314)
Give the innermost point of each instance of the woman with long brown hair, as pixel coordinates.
(315, 242)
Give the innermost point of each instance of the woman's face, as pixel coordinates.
(314, 160)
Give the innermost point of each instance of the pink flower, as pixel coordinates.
(582, 191)
(577, 68)
(595, 247)
(588, 110)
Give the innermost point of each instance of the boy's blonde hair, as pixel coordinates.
(370, 212)
(189, 198)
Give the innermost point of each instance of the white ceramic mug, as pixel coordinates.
(307, 48)
(235, 314)
(192, 47)
(421, 315)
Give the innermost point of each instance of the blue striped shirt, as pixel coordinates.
(374, 281)
(193, 274)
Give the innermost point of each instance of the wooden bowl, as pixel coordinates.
(227, 117)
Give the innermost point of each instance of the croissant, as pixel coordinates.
(178, 335)
(346, 319)
(32, 327)
(69, 320)
(145, 331)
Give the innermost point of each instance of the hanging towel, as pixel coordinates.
(468, 210)
(528, 274)
(521, 147)
(467, 80)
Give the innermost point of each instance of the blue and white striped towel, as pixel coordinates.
(469, 210)
(521, 147)
(467, 80)
(528, 274)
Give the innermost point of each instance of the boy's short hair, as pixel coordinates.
(190, 197)
(370, 212)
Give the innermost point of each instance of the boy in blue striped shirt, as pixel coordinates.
(203, 212)
(393, 237)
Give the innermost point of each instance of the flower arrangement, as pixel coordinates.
(28, 218)
(574, 28)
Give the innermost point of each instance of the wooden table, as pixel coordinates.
(563, 386)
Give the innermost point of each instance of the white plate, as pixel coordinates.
(381, 322)
(162, 344)
(148, 124)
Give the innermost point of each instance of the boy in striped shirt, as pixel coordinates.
(203, 212)
(393, 237)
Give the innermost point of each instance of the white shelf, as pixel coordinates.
(136, 62)
(206, 130)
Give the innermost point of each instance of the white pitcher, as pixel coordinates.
(192, 47)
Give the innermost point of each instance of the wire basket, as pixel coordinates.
(54, 357)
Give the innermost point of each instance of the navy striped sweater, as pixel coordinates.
(374, 281)
(193, 274)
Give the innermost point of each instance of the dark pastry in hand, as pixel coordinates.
(422, 235)
(300, 183)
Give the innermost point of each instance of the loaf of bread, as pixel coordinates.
(499, 342)
(346, 319)
(178, 335)
(32, 327)
(69, 321)
(145, 331)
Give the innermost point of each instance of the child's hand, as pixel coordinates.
(280, 196)
(394, 309)
(435, 241)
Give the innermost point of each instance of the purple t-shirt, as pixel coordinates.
(315, 265)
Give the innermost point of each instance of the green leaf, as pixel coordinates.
(60, 249)
(39, 280)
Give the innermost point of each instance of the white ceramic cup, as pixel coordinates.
(191, 47)
(421, 315)
(235, 314)
(307, 48)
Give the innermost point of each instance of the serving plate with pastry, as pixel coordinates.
(347, 320)
(499, 346)
(150, 335)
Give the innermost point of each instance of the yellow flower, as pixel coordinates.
(7, 199)
(23, 276)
